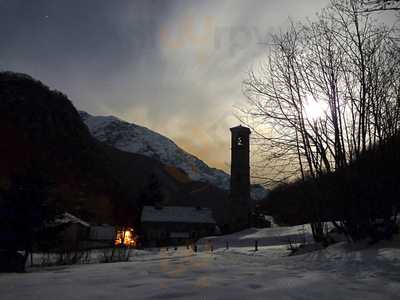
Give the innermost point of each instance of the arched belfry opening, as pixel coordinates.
(240, 176)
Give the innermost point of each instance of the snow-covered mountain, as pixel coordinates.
(137, 139)
(141, 140)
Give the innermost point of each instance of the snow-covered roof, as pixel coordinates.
(66, 218)
(177, 214)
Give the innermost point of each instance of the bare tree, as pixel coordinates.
(345, 66)
(378, 5)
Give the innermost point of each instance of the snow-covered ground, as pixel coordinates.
(341, 271)
(265, 237)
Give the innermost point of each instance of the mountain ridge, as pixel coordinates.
(134, 138)
(47, 139)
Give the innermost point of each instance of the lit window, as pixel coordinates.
(126, 237)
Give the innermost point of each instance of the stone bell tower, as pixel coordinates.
(240, 175)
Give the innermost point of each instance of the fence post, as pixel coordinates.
(227, 245)
(256, 245)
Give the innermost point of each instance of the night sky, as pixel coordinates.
(173, 66)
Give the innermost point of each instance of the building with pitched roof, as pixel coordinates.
(173, 225)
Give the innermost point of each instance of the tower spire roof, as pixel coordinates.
(241, 128)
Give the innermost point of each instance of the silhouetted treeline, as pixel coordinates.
(362, 199)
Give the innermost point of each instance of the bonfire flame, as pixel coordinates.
(126, 237)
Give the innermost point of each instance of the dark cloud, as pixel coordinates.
(96, 37)
(174, 66)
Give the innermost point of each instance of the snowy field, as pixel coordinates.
(338, 272)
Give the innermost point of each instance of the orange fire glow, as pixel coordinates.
(126, 237)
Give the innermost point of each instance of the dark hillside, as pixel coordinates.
(357, 195)
(41, 131)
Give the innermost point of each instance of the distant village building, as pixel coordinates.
(68, 232)
(102, 235)
(102, 232)
(167, 225)
(71, 230)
